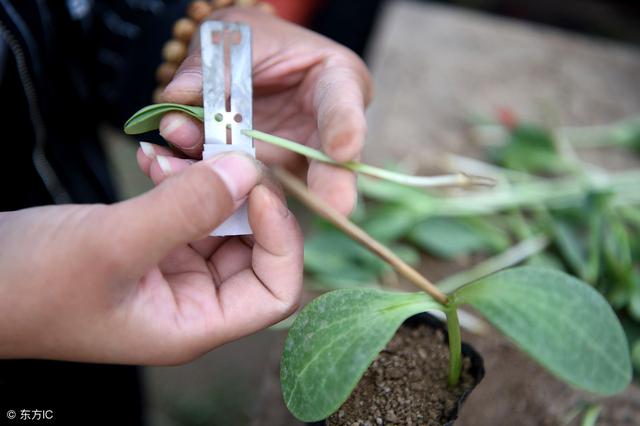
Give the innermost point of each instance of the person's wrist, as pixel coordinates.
(17, 337)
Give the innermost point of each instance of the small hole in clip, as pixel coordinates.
(218, 117)
(237, 118)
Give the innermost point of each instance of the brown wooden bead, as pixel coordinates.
(183, 29)
(165, 72)
(266, 7)
(199, 10)
(174, 51)
(157, 98)
(219, 4)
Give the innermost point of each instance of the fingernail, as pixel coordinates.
(176, 121)
(164, 164)
(238, 171)
(180, 127)
(148, 150)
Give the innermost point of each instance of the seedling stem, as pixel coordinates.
(315, 204)
(455, 346)
(455, 180)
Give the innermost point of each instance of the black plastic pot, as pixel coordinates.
(477, 364)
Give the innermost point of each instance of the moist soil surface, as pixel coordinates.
(406, 384)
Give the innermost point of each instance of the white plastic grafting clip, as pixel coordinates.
(228, 98)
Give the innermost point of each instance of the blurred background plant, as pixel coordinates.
(549, 209)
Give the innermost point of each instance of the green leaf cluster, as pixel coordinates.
(565, 323)
(333, 260)
(528, 148)
(334, 339)
(560, 321)
(450, 237)
(591, 219)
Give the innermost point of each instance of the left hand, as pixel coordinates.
(306, 88)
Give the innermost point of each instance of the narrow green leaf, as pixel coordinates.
(354, 277)
(449, 237)
(617, 248)
(560, 321)
(545, 260)
(411, 199)
(333, 341)
(508, 258)
(148, 118)
(596, 226)
(571, 247)
(634, 297)
(530, 149)
(624, 133)
(407, 253)
(331, 251)
(635, 355)
(388, 222)
(335, 261)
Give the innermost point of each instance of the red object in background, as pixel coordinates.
(507, 117)
(297, 11)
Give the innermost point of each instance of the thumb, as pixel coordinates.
(184, 207)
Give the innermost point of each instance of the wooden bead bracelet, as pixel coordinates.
(175, 50)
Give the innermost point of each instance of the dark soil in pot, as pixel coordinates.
(407, 383)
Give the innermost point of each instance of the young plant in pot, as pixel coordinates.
(561, 322)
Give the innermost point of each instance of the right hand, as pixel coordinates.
(140, 282)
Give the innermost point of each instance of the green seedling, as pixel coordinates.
(560, 321)
(148, 119)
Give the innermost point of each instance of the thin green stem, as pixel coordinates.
(519, 224)
(624, 133)
(457, 179)
(591, 414)
(551, 193)
(290, 145)
(455, 346)
(148, 119)
(506, 259)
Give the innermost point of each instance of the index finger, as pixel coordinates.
(341, 95)
(270, 290)
(182, 131)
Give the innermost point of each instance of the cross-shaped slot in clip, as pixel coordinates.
(228, 98)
